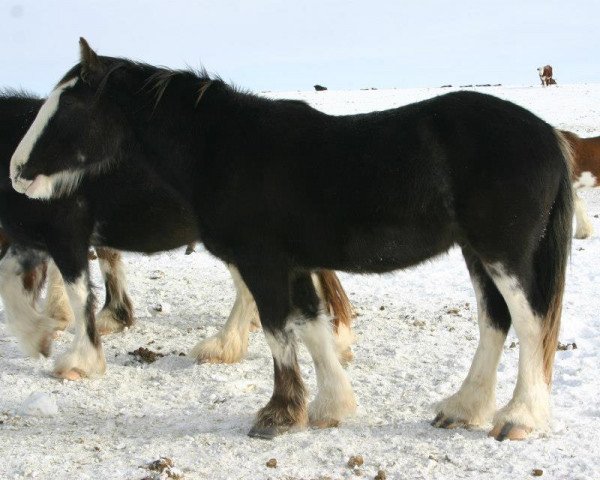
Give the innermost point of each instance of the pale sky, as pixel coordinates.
(278, 45)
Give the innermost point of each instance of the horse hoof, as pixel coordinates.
(509, 431)
(73, 374)
(442, 421)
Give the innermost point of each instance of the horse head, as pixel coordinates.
(74, 132)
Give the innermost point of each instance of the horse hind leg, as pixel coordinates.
(475, 402)
(57, 302)
(529, 408)
(117, 312)
(230, 344)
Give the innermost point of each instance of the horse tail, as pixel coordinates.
(335, 299)
(552, 255)
(339, 307)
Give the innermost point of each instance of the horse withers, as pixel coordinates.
(278, 189)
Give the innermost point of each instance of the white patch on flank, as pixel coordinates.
(32, 329)
(475, 401)
(584, 228)
(585, 180)
(530, 404)
(25, 147)
(231, 343)
(82, 358)
(335, 398)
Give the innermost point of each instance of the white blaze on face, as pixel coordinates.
(25, 147)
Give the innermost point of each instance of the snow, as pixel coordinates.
(416, 334)
(40, 404)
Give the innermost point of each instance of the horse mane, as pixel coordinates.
(9, 92)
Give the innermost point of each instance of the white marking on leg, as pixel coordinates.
(32, 329)
(283, 347)
(82, 359)
(25, 147)
(584, 228)
(475, 401)
(335, 398)
(530, 404)
(230, 344)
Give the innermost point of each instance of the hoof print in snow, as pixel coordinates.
(380, 475)
(537, 472)
(566, 346)
(156, 274)
(145, 355)
(272, 463)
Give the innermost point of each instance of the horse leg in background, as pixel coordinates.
(475, 402)
(334, 399)
(57, 302)
(117, 312)
(339, 307)
(85, 356)
(584, 228)
(230, 344)
(22, 275)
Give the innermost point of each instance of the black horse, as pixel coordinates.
(23, 259)
(23, 268)
(278, 189)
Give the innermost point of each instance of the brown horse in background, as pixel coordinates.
(586, 171)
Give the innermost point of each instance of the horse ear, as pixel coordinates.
(90, 63)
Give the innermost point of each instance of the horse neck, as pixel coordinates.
(16, 114)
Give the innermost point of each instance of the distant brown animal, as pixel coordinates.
(545, 74)
(586, 172)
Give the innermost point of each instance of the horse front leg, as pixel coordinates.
(286, 410)
(117, 313)
(85, 357)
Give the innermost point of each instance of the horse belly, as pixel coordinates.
(387, 248)
(146, 232)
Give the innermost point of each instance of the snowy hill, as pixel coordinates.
(416, 335)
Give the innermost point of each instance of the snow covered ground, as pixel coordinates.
(416, 334)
